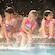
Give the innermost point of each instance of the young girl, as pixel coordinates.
(27, 28)
(47, 25)
(9, 25)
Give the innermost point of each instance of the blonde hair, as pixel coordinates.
(34, 12)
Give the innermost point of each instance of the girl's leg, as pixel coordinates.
(6, 34)
(29, 42)
(7, 38)
(16, 36)
(23, 40)
(44, 36)
(9, 34)
(51, 30)
(2, 31)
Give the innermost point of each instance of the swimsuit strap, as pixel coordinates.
(48, 23)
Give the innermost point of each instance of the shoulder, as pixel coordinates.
(43, 20)
(53, 21)
(25, 18)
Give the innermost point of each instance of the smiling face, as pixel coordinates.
(32, 16)
(7, 15)
(49, 17)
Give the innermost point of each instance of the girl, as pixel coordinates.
(47, 25)
(9, 25)
(27, 28)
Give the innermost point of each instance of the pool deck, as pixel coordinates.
(37, 41)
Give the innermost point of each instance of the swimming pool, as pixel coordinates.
(38, 50)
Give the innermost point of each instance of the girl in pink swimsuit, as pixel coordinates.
(27, 28)
(28, 25)
(47, 25)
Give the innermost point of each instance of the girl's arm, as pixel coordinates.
(33, 27)
(4, 21)
(15, 25)
(43, 26)
(24, 25)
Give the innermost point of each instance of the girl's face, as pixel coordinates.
(49, 17)
(7, 15)
(31, 17)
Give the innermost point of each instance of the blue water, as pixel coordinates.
(39, 50)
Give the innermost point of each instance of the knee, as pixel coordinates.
(29, 36)
(23, 35)
(9, 34)
(15, 35)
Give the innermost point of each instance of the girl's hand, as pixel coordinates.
(29, 32)
(45, 36)
(50, 37)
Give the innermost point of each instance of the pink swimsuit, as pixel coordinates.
(28, 24)
(48, 23)
(8, 26)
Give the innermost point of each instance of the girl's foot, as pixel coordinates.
(45, 36)
(16, 43)
(8, 42)
(50, 37)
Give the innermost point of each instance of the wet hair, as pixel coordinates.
(10, 11)
(46, 14)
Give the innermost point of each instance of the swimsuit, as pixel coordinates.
(28, 25)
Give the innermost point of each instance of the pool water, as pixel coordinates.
(38, 50)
